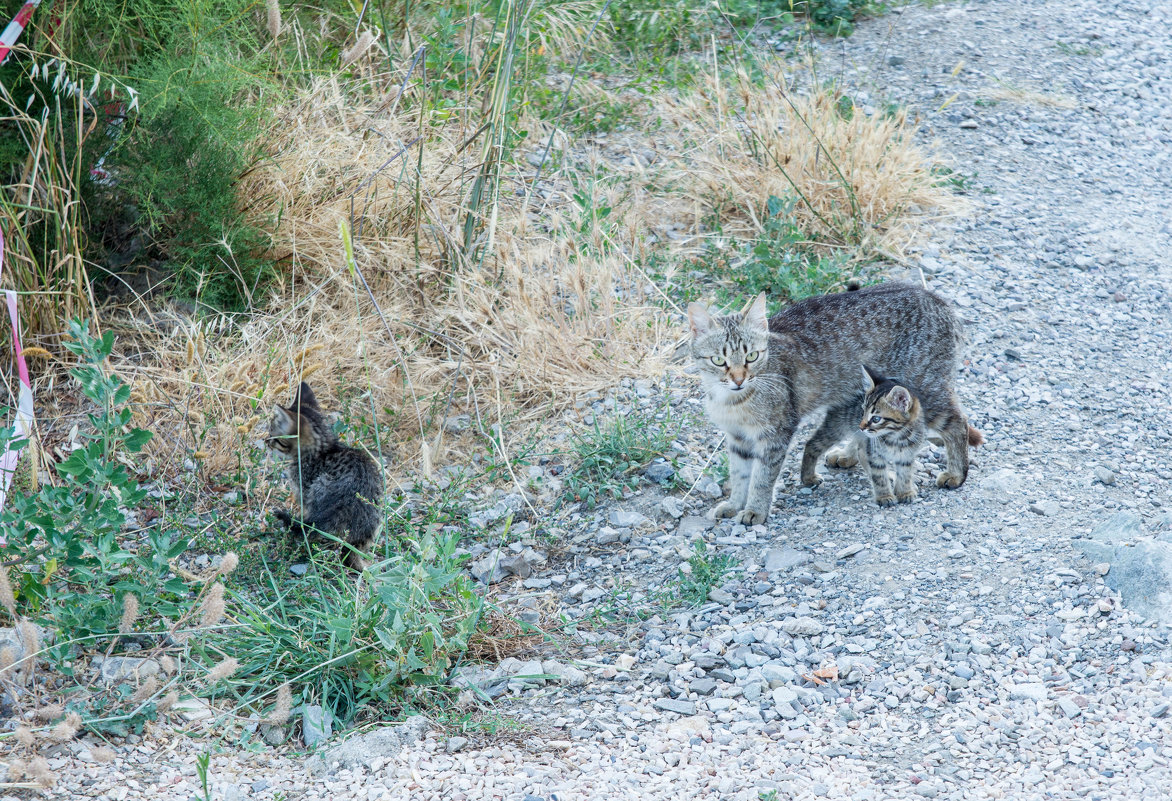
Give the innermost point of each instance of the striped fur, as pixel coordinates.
(806, 360)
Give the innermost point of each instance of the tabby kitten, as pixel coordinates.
(895, 430)
(337, 488)
(894, 424)
(762, 376)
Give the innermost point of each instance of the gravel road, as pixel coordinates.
(976, 644)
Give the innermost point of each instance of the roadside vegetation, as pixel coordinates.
(477, 211)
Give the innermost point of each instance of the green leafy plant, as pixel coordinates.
(783, 263)
(705, 572)
(608, 454)
(201, 769)
(65, 541)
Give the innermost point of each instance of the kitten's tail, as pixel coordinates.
(975, 437)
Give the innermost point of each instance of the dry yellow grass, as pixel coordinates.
(864, 181)
(553, 304)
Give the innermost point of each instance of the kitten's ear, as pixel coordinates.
(900, 399)
(305, 397)
(286, 419)
(755, 316)
(699, 319)
(869, 378)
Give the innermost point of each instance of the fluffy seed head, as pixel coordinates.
(358, 50)
(213, 606)
(145, 690)
(129, 613)
(169, 700)
(103, 754)
(51, 712)
(39, 770)
(228, 563)
(168, 665)
(24, 736)
(273, 22)
(67, 729)
(18, 769)
(7, 658)
(284, 705)
(223, 670)
(7, 598)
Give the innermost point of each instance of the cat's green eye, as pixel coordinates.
(718, 361)
(752, 357)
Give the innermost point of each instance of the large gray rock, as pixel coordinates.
(1141, 567)
(778, 559)
(361, 751)
(316, 725)
(128, 668)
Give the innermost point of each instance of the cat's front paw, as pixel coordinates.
(885, 500)
(811, 480)
(949, 480)
(906, 497)
(752, 517)
(726, 509)
(842, 458)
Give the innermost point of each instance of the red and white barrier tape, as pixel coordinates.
(24, 402)
(16, 28)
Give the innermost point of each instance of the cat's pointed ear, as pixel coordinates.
(305, 397)
(285, 418)
(869, 378)
(699, 319)
(900, 399)
(755, 315)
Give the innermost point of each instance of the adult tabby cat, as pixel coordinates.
(763, 375)
(338, 488)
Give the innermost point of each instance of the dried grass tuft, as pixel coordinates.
(145, 690)
(41, 773)
(47, 713)
(527, 326)
(865, 181)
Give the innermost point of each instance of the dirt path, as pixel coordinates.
(980, 653)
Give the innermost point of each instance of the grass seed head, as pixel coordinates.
(39, 770)
(282, 708)
(7, 598)
(145, 690)
(223, 670)
(67, 729)
(129, 613)
(169, 700)
(25, 736)
(213, 606)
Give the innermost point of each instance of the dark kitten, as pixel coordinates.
(338, 488)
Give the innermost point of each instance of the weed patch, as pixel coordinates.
(704, 572)
(608, 453)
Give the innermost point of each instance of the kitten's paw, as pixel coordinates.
(949, 480)
(885, 500)
(751, 517)
(842, 458)
(283, 516)
(906, 497)
(811, 480)
(726, 509)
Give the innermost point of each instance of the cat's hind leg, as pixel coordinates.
(846, 454)
(839, 420)
(955, 434)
